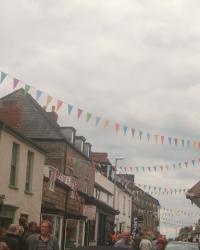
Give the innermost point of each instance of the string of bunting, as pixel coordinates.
(181, 165)
(178, 211)
(175, 222)
(174, 215)
(105, 122)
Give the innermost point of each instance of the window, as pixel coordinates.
(129, 208)
(14, 163)
(29, 171)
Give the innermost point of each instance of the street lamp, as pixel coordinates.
(116, 161)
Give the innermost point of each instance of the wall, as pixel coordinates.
(26, 203)
(125, 215)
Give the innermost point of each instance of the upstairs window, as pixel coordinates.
(14, 165)
(29, 171)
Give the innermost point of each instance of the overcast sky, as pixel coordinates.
(135, 62)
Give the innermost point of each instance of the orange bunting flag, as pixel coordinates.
(117, 126)
(59, 104)
(194, 144)
(49, 99)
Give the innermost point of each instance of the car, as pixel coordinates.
(181, 245)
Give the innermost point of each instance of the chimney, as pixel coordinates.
(87, 149)
(10, 113)
(53, 115)
(69, 133)
(79, 142)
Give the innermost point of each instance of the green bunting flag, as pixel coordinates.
(3, 76)
(26, 89)
(89, 115)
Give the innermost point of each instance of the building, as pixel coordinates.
(22, 163)
(67, 155)
(123, 201)
(104, 221)
(145, 212)
(194, 194)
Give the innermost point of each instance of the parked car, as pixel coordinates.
(180, 245)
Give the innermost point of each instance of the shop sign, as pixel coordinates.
(89, 212)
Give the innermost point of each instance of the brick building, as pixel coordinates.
(67, 155)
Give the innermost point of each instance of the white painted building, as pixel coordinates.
(21, 178)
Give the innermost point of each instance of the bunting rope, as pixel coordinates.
(118, 127)
(178, 211)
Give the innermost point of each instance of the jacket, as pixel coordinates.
(52, 243)
(11, 240)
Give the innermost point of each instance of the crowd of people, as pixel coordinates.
(28, 237)
(138, 242)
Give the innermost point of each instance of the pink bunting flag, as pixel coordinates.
(117, 126)
(80, 111)
(132, 132)
(15, 83)
(162, 139)
(59, 104)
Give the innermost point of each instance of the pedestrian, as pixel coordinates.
(145, 244)
(160, 244)
(112, 238)
(45, 240)
(11, 237)
(125, 242)
(31, 238)
(32, 227)
(3, 246)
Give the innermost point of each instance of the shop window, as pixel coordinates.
(92, 230)
(14, 165)
(29, 171)
(124, 204)
(7, 214)
(71, 233)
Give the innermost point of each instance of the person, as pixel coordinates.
(31, 238)
(112, 238)
(137, 240)
(125, 242)
(2, 231)
(145, 244)
(11, 237)
(154, 243)
(32, 227)
(160, 244)
(45, 240)
(3, 246)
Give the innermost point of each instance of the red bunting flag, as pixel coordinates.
(117, 126)
(80, 111)
(59, 104)
(132, 132)
(176, 141)
(15, 83)
(162, 139)
(186, 164)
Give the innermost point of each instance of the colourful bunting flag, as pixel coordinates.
(194, 144)
(156, 138)
(155, 168)
(49, 99)
(117, 126)
(148, 136)
(140, 134)
(59, 104)
(26, 89)
(176, 141)
(132, 132)
(89, 115)
(3, 76)
(97, 120)
(38, 94)
(125, 128)
(15, 83)
(186, 164)
(162, 139)
(183, 143)
(170, 140)
(188, 143)
(80, 111)
(70, 107)
(193, 163)
(106, 123)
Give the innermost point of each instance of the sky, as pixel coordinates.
(131, 61)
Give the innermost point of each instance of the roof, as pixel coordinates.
(194, 194)
(99, 157)
(14, 132)
(53, 133)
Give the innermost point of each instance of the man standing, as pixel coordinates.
(45, 241)
(145, 244)
(125, 242)
(11, 237)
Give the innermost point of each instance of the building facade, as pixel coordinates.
(21, 178)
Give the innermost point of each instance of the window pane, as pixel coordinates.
(14, 159)
(29, 171)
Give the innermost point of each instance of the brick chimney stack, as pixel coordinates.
(53, 115)
(10, 113)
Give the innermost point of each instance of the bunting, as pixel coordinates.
(15, 83)
(38, 94)
(59, 105)
(3, 76)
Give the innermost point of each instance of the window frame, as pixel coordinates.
(14, 165)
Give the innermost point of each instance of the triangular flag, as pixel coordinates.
(140, 134)
(176, 141)
(89, 115)
(179, 164)
(174, 166)
(117, 126)
(15, 83)
(70, 107)
(26, 89)
(156, 138)
(170, 140)
(38, 94)
(199, 144)
(3, 76)
(167, 167)
(97, 120)
(183, 142)
(188, 143)
(133, 131)
(80, 111)
(186, 164)
(149, 168)
(106, 123)
(125, 128)
(148, 136)
(194, 144)
(162, 139)
(49, 99)
(154, 167)
(59, 104)
(161, 167)
(193, 163)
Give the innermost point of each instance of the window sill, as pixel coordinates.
(13, 187)
(28, 192)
